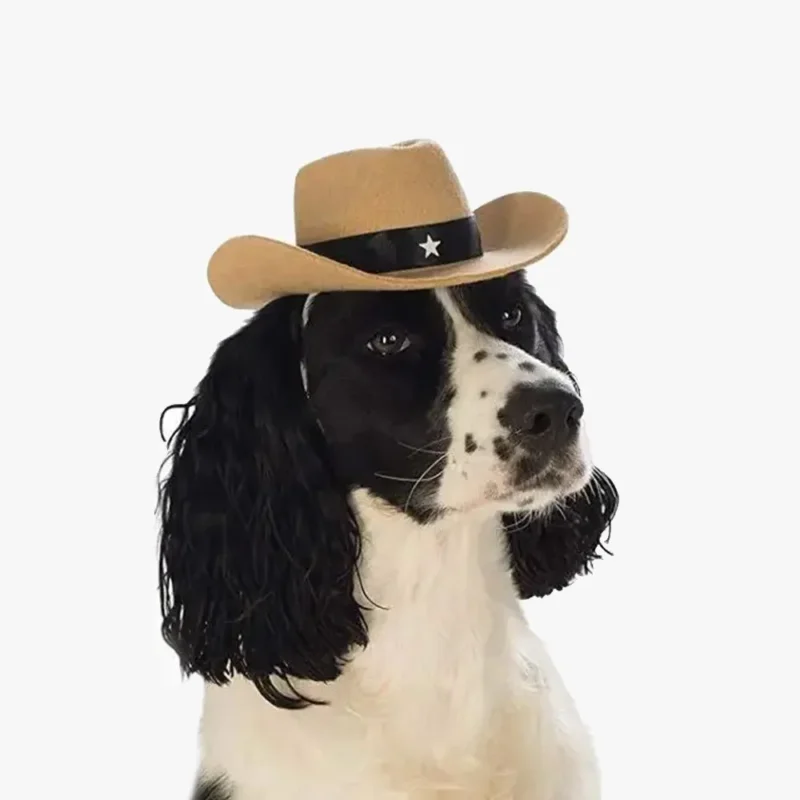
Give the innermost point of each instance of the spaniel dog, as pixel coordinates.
(358, 496)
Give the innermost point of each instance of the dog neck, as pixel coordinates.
(444, 621)
(437, 594)
(405, 562)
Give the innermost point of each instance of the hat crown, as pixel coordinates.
(364, 191)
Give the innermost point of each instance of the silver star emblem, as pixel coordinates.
(430, 246)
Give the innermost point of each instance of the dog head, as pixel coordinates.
(446, 402)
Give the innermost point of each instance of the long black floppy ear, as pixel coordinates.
(548, 553)
(258, 545)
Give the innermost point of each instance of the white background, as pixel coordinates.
(136, 137)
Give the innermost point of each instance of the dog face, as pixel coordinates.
(438, 403)
(447, 401)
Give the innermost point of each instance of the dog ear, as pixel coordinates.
(258, 545)
(547, 553)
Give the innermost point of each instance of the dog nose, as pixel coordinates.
(546, 417)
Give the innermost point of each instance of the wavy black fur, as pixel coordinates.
(548, 553)
(259, 547)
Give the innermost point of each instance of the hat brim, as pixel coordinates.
(516, 230)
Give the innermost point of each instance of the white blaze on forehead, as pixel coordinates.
(445, 297)
(467, 338)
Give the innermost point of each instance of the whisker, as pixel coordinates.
(400, 480)
(420, 449)
(423, 448)
(414, 480)
(521, 521)
(558, 506)
(414, 487)
(422, 477)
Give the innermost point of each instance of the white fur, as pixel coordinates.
(454, 698)
(473, 479)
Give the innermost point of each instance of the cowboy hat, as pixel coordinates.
(391, 218)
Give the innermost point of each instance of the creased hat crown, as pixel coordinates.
(364, 191)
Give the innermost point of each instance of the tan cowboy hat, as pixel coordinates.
(391, 218)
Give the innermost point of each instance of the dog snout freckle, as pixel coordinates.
(501, 448)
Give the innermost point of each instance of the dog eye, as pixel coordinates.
(512, 317)
(389, 342)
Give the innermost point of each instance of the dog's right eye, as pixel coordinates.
(389, 342)
(512, 317)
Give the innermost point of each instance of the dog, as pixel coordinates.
(359, 494)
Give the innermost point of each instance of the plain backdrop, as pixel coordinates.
(136, 137)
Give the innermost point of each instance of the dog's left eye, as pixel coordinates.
(389, 342)
(512, 317)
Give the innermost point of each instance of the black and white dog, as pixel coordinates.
(359, 494)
